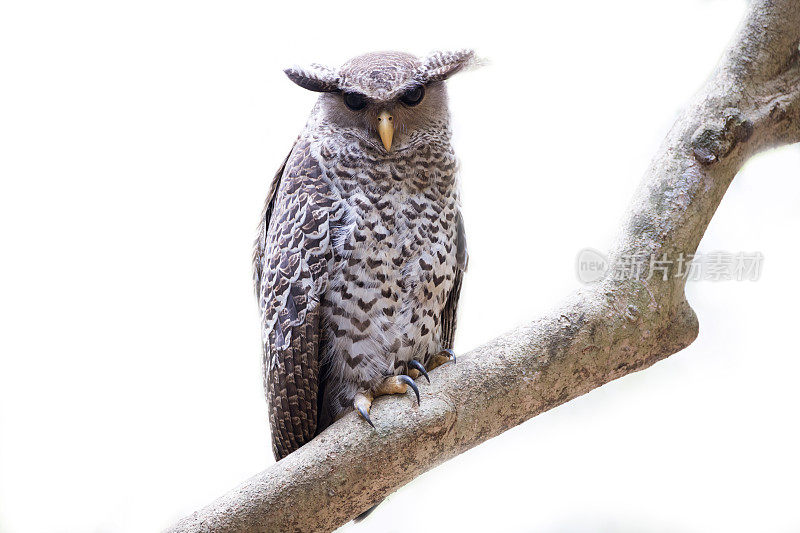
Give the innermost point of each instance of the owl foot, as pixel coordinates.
(417, 370)
(390, 385)
(441, 358)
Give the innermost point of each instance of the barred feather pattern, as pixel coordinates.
(292, 276)
(358, 263)
(395, 263)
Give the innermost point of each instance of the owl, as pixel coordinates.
(361, 251)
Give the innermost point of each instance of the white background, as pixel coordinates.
(137, 141)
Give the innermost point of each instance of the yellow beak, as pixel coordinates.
(386, 129)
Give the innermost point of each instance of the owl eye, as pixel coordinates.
(355, 101)
(413, 96)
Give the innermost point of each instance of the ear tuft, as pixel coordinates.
(440, 65)
(318, 78)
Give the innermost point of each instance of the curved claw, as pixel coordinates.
(365, 414)
(416, 364)
(452, 354)
(410, 382)
(362, 402)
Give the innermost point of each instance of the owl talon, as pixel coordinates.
(445, 356)
(391, 385)
(410, 382)
(362, 403)
(416, 364)
(365, 414)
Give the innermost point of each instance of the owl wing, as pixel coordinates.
(290, 270)
(451, 306)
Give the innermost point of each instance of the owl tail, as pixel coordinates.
(366, 513)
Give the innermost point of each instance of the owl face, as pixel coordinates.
(390, 101)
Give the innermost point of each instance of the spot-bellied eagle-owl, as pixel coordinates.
(361, 249)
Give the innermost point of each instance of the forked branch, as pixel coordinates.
(600, 333)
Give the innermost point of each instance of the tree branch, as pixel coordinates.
(602, 332)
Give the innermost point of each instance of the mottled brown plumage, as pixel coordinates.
(361, 249)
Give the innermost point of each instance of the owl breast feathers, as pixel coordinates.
(361, 249)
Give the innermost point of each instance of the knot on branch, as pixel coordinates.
(632, 313)
(713, 142)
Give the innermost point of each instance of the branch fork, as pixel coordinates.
(602, 332)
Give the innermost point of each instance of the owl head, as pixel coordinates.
(390, 100)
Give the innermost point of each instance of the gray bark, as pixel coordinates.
(602, 332)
